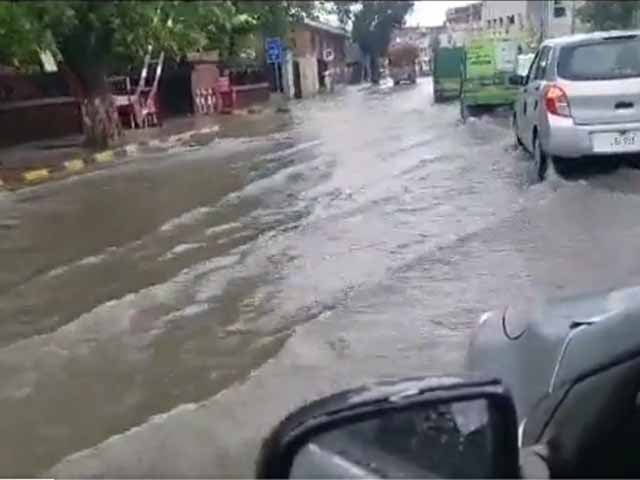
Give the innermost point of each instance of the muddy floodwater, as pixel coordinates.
(160, 317)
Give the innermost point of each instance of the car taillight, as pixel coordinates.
(556, 101)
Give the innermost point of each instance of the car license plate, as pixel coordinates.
(612, 142)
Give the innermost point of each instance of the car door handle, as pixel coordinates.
(623, 105)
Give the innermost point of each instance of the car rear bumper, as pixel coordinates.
(563, 138)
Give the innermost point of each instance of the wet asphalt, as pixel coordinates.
(160, 317)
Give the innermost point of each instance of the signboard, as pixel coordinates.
(274, 50)
(481, 58)
(328, 55)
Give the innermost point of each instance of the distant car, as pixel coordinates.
(580, 98)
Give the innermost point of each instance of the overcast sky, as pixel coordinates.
(427, 13)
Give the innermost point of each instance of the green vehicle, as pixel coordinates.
(488, 63)
(447, 71)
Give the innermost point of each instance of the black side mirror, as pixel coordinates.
(516, 79)
(444, 427)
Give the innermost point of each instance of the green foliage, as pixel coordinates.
(91, 34)
(374, 22)
(609, 14)
(344, 10)
(18, 35)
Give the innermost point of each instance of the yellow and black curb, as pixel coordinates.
(78, 164)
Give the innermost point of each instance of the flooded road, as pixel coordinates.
(159, 318)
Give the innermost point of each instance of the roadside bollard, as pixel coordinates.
(210, 101)
(200, 104)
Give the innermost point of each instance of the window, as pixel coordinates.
(488, 24)
(543, 62)
(501, 22)
(559, 10)
(511, 19)
(533, 66)
(612, 59)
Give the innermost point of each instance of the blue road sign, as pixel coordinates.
(274, 50)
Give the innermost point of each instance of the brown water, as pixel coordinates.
(160, 317)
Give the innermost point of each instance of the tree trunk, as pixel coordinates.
(100, 120)
(375, 70)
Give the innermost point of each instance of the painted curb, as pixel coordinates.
(106, 156)
(78, 164)
(131, 149)
(33, 176)
(74, 165)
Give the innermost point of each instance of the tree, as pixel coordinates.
(92, 38)
(609, 14)
(373, 25)
(343, 10)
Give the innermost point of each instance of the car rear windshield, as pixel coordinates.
(604, 60)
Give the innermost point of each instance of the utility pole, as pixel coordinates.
(547, 8)
(543, 21)
(573, 17)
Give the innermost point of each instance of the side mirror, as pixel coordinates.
(444, 427)
(516, 79)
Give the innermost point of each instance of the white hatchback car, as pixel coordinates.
(580, 98)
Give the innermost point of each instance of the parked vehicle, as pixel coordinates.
(553, 396)
(581, 98)
(447, 73)
(487, 67)
(403, 60)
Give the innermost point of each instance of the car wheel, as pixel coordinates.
(540, 160)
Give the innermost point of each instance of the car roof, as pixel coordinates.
(588, 37)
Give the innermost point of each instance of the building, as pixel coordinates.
(536, 19)
(415, 35)
(464, 16)
(562, 19)
(463, 24)
(314, 48)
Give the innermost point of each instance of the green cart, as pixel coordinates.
(487, 65)
(447, 73)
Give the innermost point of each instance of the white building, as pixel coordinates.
(518, 18)
(463, 24)
(562, 17)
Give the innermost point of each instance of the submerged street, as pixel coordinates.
(159, 318)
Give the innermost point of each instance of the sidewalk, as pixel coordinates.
(38, 161)
(51, 159)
